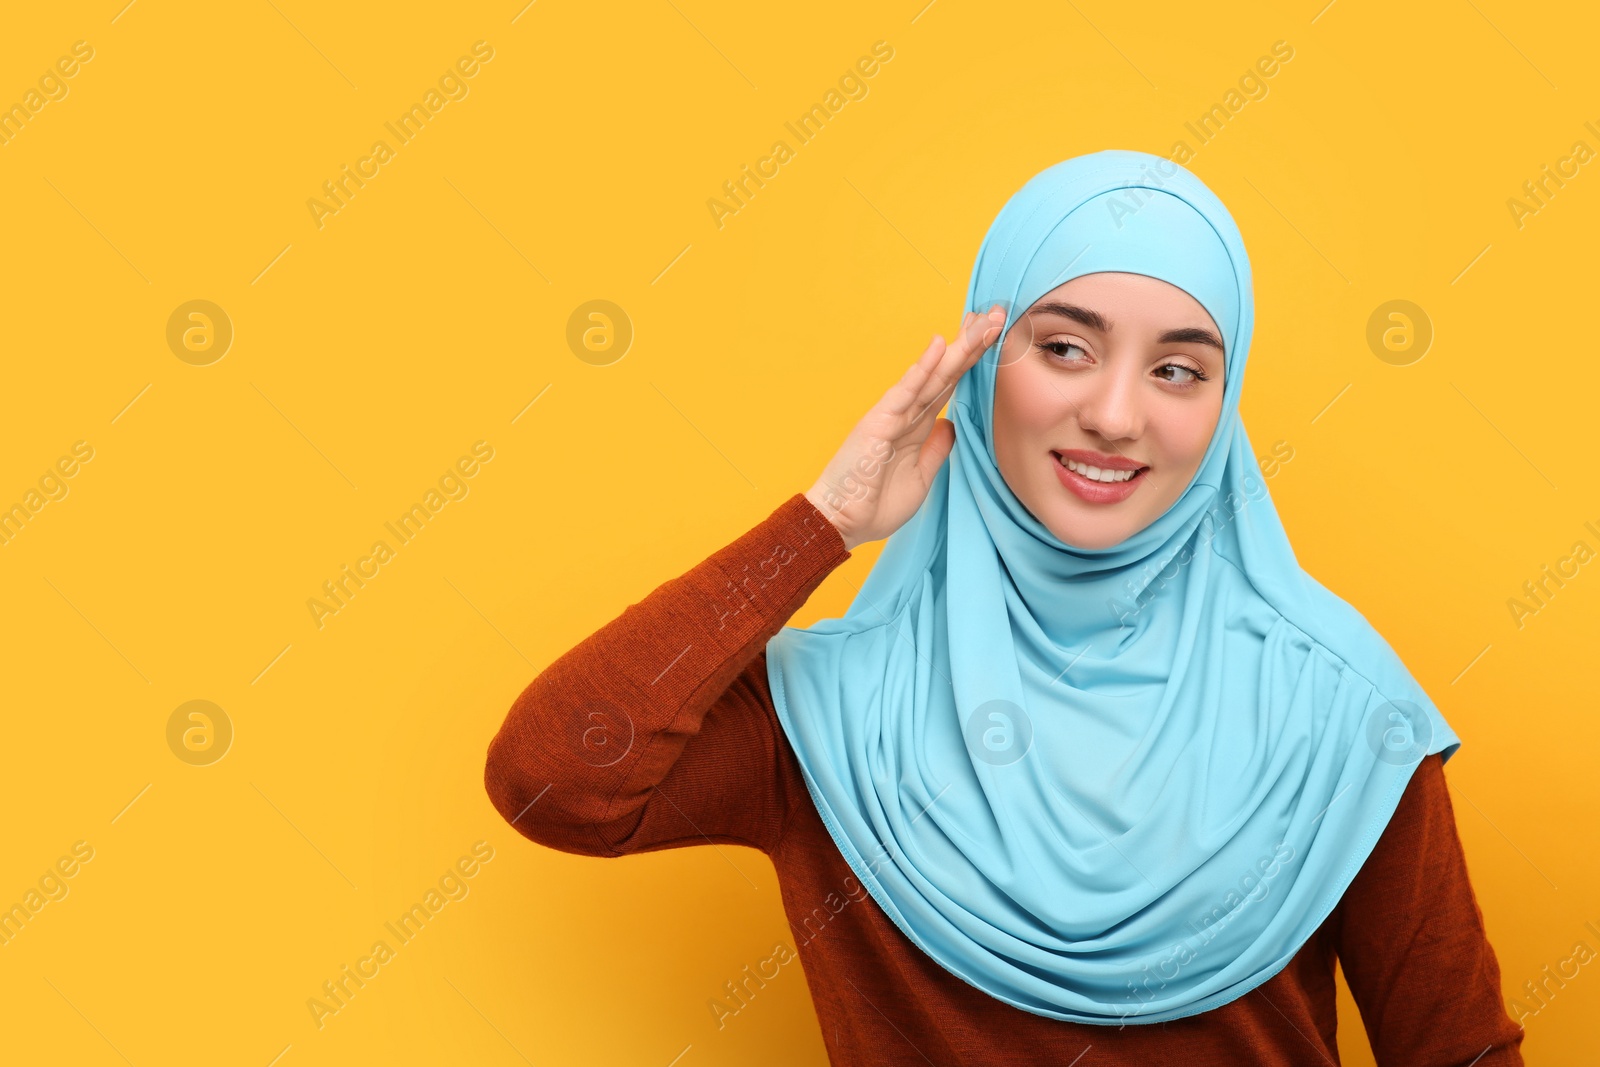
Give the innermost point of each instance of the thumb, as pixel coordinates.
(936, 449)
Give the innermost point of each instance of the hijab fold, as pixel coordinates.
(1114, 785)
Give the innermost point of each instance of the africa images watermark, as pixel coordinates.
(452, 85)
(52, 86)
(452, 485)
(852, 85)
(739, 594)
(1142, 588)
(1538, 592)
(52, 486)
(1541, 190)
(1566, 969)
(1208, 925)
(52, 887)
(742, 994)
(338, 992)
(1252, 85)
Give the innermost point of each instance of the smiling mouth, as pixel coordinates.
(1104, 476)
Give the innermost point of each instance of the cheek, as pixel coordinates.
(1026, 408)
(1186, 430)
(1015, 435)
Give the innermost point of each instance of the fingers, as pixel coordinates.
(928, 359)
(941, 365)
(983, 331)
(902, 394)
(935, 450)
(976, 334)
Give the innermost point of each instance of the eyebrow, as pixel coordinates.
(1094, 320)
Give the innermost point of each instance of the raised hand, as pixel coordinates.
(884, 469)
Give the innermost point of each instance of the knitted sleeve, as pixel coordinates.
(653, 732)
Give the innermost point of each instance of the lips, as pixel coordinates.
(1093, 491)
(1103, 460)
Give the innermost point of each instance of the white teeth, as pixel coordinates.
(1096, 474)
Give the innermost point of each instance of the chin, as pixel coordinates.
(1073, 530)
(1091, 542)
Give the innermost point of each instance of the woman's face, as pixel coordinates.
(1120, 372)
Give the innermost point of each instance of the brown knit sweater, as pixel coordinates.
(658, 731)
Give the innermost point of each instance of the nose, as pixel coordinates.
(1109, 404)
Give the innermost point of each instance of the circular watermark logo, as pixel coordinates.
(199, 733)
(599, 332)
(1015, 340)
(1399, 332)
(1399, 732)
(999, 733)
(602, 734)
(199, 332)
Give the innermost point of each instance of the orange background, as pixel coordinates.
(372, 347)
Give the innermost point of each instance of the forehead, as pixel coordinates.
(1131, 300)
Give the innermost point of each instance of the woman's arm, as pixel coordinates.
(656, 731)
(1413, 947)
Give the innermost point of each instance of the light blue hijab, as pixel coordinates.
(1116, 785)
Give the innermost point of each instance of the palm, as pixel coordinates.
(884, 469)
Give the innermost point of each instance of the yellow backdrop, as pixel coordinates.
(278, 272)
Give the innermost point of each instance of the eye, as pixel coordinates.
(1058, 349)
(1196, 376)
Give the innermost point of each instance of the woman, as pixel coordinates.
(1090, 762)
